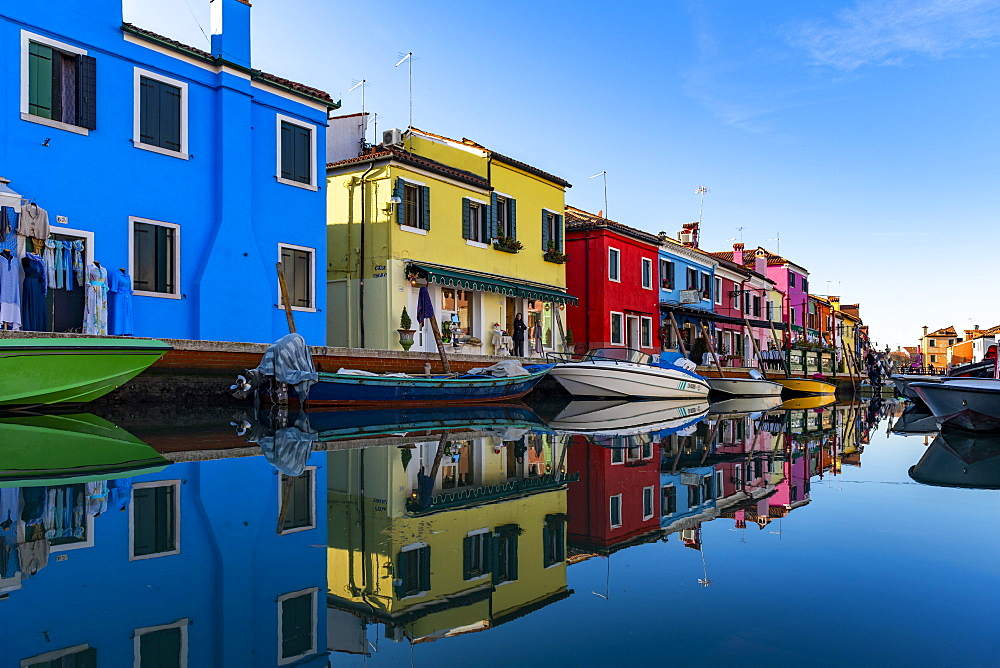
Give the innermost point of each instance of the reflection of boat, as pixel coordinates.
(960, 459)
(623, 373)
(817, 401)
(807, 386)
(902, 382)
(359, 423)
(744, 405)
(49, 371)
(972, 403)
(627, 417)
(746, 387)
(63, 449)
(915, 421)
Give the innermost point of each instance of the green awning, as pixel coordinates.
(471, 280)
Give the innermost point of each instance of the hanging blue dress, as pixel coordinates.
(120, 304)
(34, 316)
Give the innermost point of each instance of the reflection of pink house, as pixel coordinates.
(617, 498)
(744, 476)
(793, 490)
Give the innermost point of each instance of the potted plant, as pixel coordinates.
(445, 331)
(553, 255)
(507, 244)
(405, 333)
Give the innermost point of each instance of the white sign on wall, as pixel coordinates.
(690, 296)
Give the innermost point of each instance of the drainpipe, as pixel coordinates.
(361, 257)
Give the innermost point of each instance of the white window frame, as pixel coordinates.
(621, 512)
(719, 489)
(26, 38)
(643, 343)
(663, 487)
(409, 548)
(479, 532)
(717, 286)
(484, 211)
(707, 283)
(312, 277)
(311, 472)
(314, 157)
(137, 75)
(617, 264)
(617, 455)
(51, 656)
(621, 329)
(176, 294)
(652, 502)
(642, 273)
(181, 624)
(313, 593)
(177, 519)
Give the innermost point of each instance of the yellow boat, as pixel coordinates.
(805, 403)
(807, 386)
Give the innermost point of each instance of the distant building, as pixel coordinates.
(934, 347)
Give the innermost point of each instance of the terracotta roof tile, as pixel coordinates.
(416, 161)
(578, 219)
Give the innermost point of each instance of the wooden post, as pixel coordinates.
(677, 334)
(756, 348)
(284, 299)
(784, 359)
(711, 348)
(440, 346)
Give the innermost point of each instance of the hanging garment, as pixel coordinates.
(78, 261)
(67, 264)
(8, 222)
(37, 246)
(33, 504)
(50, 262)
(95, 312)
(10, 291)
(120, 304)
(97, 497)
(33, 556)
(119, 493)
(34, 315)
(34, 222)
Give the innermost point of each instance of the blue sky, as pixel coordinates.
(863, 132)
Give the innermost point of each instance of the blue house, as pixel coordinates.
(216, 563)
(189, 170)
(688, 289)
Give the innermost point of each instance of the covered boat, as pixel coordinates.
(626, 373)
(972, 404)
(59, 370)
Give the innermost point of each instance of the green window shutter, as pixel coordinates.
(170, 117)
(466, 219)
(160, 648)
(86, 92)
(467, 557)
(296, 625)
(399, 585)
(287, 149)
(425, 196)
(512, 212)
(512, 556)
(40, 72)
(559, 232)
(143, 511)
(494, 229)
(489, 547)
(143, 252)
(303, 154)
(398, 191)
(545, 230)
(149, 112)
(546, 546)
(425, 568)
(164, 518)
(164, 254)
(497, 557)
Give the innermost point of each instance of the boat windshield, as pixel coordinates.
(618, 354)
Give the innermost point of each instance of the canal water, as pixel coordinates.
(496, 536)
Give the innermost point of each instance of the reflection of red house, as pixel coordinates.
(616, 500)
(614, 273)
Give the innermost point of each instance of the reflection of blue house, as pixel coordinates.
(189, 168)
(687, 497)
(219, 563)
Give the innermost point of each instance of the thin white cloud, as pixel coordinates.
(880, 32)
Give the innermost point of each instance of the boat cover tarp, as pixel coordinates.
(504, 369)
(288, 448)
(288, 360)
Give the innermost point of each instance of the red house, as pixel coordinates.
(613, 271)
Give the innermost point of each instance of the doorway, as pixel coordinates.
(65, 307)
(632, 332)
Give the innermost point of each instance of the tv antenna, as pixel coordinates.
(739, 230)
(604, 174)
(362, 84)
(701, 207)
(777, 238)
(408, 58)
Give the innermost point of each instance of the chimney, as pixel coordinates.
(760, 262)
(230, 21)
(689, 235)
(738, 254)
(925, 330)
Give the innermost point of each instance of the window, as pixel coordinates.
(791, 316)
(769, 308)
(614, 265)
(615, 510)
(647, 273)
(505, 540)
(795, 493)
(506, 212)
(154, 527)
(694, 495)
(692, 279)
(458, 302)
(296, 153)
(474, 223)
(736, 297)
(297, 501)
(791, 279)
(706, 286)
(668, 500)
(477, 554)
(617, 455)
(553, 540)
(718, 290)
(80, 656)
(756, 305)
(647, 450)
(666, 274)
(59, 88)
(805, 284)
(300, 276)
(933, 358)
(706, 487)
(161, 646)
(645, 332)
(161, 114)
(552, 231)
(718, 482)
(155, 258)
(414, 209)
(296, 625)
(932, 343)
(647, 503)
(413, 570)
(617, 333)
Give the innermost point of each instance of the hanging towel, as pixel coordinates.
(50, 262)
(67, 253)
(78, 261)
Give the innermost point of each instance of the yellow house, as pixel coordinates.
(934, 347)
(483, 232)
(846, 324)
(464, 533)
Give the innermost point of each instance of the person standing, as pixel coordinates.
(518, 335)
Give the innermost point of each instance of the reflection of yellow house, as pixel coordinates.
(468, 534)
(847, 321)
(450, 215)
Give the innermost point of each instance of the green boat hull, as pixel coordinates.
(37, 450)
(65, 370)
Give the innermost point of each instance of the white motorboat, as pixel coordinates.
(972, 404)
(627, 417)
(740, 405)
(754, 386)
(625, 373)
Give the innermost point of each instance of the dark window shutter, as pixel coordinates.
(425, 197)
(425, 568)
(160, 648)
(287, 149)
(164, 258)
(86, 92)
(466, 220)
(545, 230)
(467, 557)
(399, 586)
(494, 226)
(145, 258)
(143, 534)
(559, 232)
(296, 625)
(546, 545)
(512, 556)
(149, 112)
(302, 273)
(164, 518)
(170, 117)
(303, 157)
(512, 212)
(489, 550)
(399, 191)
(40, 75)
